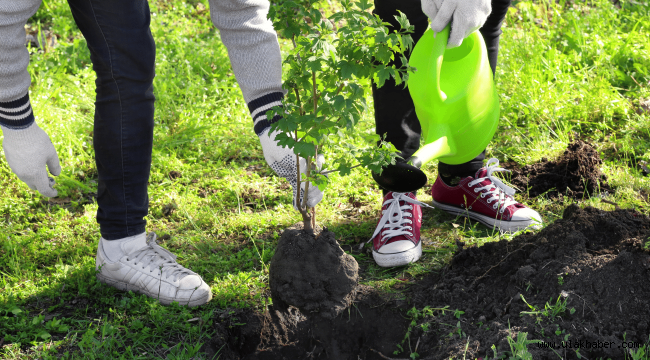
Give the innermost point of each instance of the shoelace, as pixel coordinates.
(395, 218)
(497, 190)
(154, 257)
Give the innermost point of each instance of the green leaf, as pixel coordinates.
(403, 21)
(304, 149)
(346, 69)
(15, 310)
(383, 74)
(314, 63)
(364, 5)
(316, 15)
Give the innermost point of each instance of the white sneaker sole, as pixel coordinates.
(505, 226)
(398, 259)
(124, 286)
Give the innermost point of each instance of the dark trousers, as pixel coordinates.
(123, 54)
(394, 111)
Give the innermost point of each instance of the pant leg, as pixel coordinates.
(394, 110)
(123, 54)
(491, 30)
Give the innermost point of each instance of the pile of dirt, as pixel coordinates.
(597, 262)
(312, 273)
(575, 174)
(370, 330)
(580, 285)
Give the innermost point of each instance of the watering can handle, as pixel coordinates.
(435, 64)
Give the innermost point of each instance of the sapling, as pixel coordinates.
(328, 73)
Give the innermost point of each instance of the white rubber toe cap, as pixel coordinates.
(528, 215)
(397, 247)
(402, 253)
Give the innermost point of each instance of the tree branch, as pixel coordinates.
(331, 171)
(313, 92)
(295, 46)
(298, 178)
(338, 90)
(302, 111)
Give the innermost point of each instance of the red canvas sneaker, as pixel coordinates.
(487, 199)
(396, 240)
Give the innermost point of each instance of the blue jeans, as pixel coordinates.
(123, 54)
(394, 110)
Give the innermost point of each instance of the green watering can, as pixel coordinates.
(456, 102)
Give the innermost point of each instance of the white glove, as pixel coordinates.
(283, 161)
(466, 16)
(28, 151)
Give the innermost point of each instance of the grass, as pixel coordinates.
(567, 70)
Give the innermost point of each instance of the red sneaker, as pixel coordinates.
(396, 240)
(487, 199)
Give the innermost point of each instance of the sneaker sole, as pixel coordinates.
(505, 226)
(398, 259)
(121, 285)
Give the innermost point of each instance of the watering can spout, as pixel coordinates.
(442, 147)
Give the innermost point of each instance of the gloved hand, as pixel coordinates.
(28, 151)
(466, 16)
(283, 161)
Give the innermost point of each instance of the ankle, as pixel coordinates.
(451, 180)
(115, 249)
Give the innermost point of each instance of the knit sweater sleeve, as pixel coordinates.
(15, 110)
(254, 53)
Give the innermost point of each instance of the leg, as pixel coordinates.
(394, 111)
(123, 55)
(491, 30)
(396, 242)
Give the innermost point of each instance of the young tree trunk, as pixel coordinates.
(308, 221)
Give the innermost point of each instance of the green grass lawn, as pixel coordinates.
(567, 70)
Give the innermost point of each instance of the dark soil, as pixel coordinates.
(312, 273)
(575, 174)
(370, 329)
(596, 261)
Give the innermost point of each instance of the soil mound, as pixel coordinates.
(575, 174)
(369, 331)
(583, 280)
(312, 273)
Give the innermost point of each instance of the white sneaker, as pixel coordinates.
(153, 271)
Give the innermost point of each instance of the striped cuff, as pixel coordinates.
(260, 106)
(16, 114)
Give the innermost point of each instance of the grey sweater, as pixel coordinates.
(14, 58)
(245, 30)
